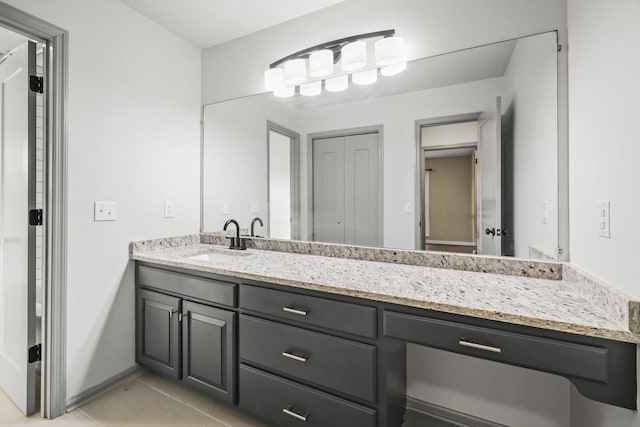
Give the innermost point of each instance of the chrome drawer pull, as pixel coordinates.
(295, 311)
(480, 346)
(289, 412)
(294, 357)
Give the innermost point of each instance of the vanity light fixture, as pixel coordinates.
(307, 67)
(337, 84)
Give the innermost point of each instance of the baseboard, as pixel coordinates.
(98, 389)
(452, 416)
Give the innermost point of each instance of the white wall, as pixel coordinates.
(604, 68)
(450, 135)
(429, 27)
(133, 126)
(532, 97)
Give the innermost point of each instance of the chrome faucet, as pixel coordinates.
(235, 242)
(253, 223)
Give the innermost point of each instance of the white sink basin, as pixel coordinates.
(219, 254)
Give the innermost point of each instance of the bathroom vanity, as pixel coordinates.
(313, 340)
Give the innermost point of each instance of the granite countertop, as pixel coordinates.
(543, 303)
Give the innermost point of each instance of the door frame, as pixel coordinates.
(420, 165)
(379, 129)
(56, 40)
(295, 177)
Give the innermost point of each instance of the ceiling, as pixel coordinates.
(206, 23)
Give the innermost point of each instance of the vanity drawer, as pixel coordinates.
(303, 309)
(577, 360)
(210, 290)
(338, 364)
(288, 404)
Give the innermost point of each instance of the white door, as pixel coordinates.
(17, 238)
(362, 190)
(346, 190)
(328, 190)
(280, 179)
(489, 184)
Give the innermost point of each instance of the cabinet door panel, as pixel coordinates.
(158, 332)
(209, 349)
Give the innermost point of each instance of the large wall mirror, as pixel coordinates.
(458, 153)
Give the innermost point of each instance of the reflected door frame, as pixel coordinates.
(420, 217)
(295, 177)
(53, 365)
(379, 129)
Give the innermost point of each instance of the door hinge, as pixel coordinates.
(36, 84)
(35, 353)
(35, 217)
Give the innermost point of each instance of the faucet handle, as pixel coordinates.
(232, 241)
(237, 243)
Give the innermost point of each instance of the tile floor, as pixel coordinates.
(151, 400)
(146, 400)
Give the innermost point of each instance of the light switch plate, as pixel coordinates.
(226, 208)
(105, 211)
(604, 218)
(168, 209)
(255, 207)
(408, 208)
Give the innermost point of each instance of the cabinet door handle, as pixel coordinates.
(289, 411)
(295, 357)
(477, 346)
(295, 311)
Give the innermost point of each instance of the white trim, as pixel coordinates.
(449, 242)
(106, 385)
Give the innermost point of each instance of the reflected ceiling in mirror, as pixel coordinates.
(457, 153)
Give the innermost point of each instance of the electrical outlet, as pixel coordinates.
(604, 218)
(545, 212)
(105, 211)
(255, 207)
(168, 209)
(226, 208)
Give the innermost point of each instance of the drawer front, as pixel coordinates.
(335, 363)
(288, 404)
(321, 312)
(577, 360)
(210, 290)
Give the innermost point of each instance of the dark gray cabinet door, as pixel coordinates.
(208, 349)
(158, 332)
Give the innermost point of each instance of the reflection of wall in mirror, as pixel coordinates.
(235, 158)
(530, 95)
(451, 187)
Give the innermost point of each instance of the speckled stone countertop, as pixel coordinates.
(542, 303)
